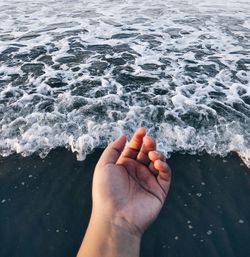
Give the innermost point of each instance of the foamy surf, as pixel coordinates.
(79, 77)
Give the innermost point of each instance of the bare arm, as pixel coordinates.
(130, 186)
(103, 238)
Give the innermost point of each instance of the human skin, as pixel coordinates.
(130, 185)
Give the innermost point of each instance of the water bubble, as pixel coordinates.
(209, 232)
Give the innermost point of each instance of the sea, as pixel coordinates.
(77, 74)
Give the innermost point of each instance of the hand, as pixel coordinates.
(131, 183)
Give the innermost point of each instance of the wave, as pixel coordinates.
(79, 77)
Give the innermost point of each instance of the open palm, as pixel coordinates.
(131, 183)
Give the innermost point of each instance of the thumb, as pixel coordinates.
(113, 151)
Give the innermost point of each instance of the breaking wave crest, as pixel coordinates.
(79, 77)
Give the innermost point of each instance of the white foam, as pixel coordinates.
(195, 51)
(209, 232)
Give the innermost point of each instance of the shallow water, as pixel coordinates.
(45, 206)
(77, 74)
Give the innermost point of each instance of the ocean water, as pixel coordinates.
(76, 74)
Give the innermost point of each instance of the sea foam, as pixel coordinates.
(79, 77)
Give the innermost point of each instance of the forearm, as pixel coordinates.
(106, 239)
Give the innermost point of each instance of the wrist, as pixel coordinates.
(110, 237)
(117, 225)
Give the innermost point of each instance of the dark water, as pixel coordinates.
(45, 206)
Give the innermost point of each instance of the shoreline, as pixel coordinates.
(45, 206)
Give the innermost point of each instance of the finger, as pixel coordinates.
(113, 151)
(153, 169)
(153, 156)
(148, 145)
(164, 176)
(156, 155)
(134, 146)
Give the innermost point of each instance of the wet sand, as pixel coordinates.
(45, 206)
